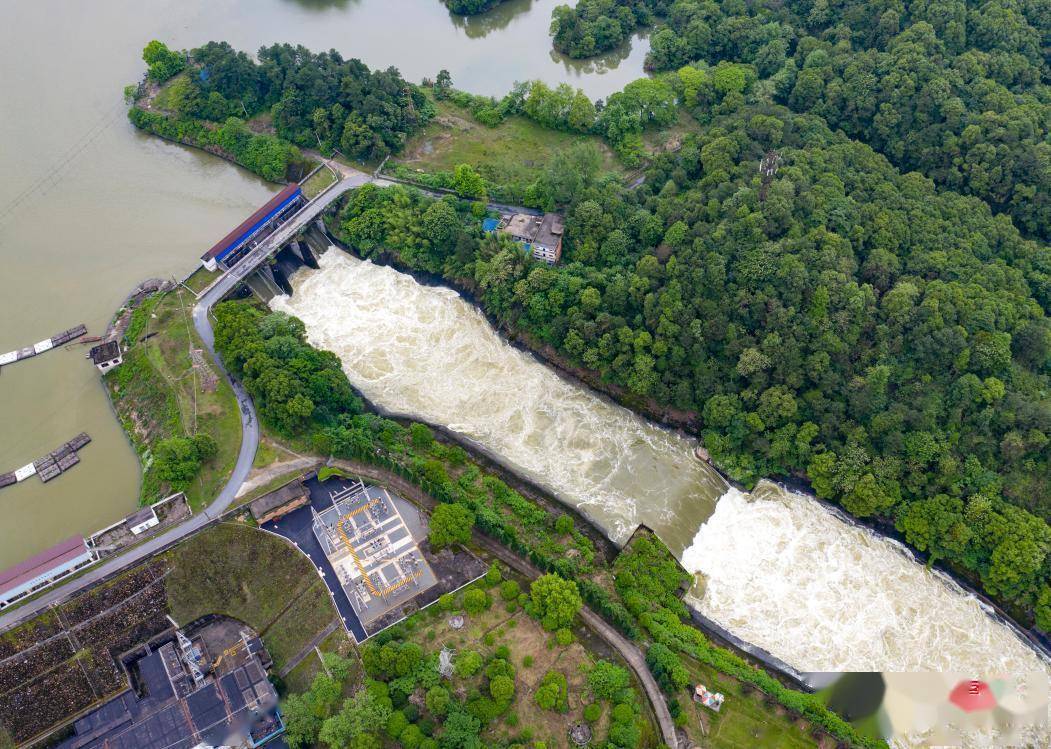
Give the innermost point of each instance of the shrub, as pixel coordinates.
(510, 590)
(607, 680)
(527, 661)
(553, 692)
(476, 601)
(564, 525)
(556, 601)
(447, 602)
(450, 524)
(593, 712)
(437, 701)
(564, 637)
(502, 689)
(493, 575)
(396, 723)
(468, 662)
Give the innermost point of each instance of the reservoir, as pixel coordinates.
(775, 568)
(89, 206)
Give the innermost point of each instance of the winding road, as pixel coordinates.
(246, 455)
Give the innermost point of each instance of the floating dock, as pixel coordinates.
(56, 462)
(45, 345)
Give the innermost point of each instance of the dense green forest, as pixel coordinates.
(594, 26)
(958, 90)
(834, 319)
(471, 7)
(310, 100)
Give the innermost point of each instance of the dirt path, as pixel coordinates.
(263, 476)
(309, 647)
(628, 651)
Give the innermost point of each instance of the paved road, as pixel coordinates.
(352, 179)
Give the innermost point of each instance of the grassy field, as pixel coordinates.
(513, 152)
(237, 571)
(744, 721)
(161, 391)
(533, 652)
(304, 619)
(201, 279)
(316, 184)
(300, 678)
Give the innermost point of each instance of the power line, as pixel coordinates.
(52, 176)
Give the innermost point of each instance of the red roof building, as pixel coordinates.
(259, 223)
(43, 569)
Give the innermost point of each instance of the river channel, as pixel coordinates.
(775, 568)
(89, 206)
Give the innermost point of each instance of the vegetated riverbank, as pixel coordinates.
(179, 414)
(594, 382)
(341, 426)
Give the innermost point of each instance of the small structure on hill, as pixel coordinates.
(540, 235)
(280, 502)
(580, 734)
(143, 520)
(711, 700)
(106, 356)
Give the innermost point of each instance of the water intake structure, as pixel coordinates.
(777, 569)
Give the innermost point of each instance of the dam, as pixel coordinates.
(777, 569)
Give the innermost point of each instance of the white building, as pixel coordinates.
(44, 569)
(106, 356)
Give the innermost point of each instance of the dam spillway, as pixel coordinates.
(777, 569)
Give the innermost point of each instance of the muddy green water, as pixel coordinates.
(89, 206)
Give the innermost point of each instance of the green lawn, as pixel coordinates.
(744, 721)
(159, 393)
(246, 574)
(308, 615)
(316, 184)
(513, 152)
(201, 279)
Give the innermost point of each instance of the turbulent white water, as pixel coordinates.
(779, 570)
(782, 571)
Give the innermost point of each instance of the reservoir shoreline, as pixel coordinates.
(679, 423)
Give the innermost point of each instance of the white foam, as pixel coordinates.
(424, 351)
(782, 571)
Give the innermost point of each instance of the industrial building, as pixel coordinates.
(187, 698)
(370, 546)
(229, 250)
(44, 569)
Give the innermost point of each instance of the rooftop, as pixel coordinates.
(226, 242)
(105, 352)
(287, 493)
(171, 712)
(44, 562)
(523, 225)
(550, 231)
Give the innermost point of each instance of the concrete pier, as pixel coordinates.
(56, 462)
(45, 345)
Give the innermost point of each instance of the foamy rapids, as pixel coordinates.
(775, 568)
